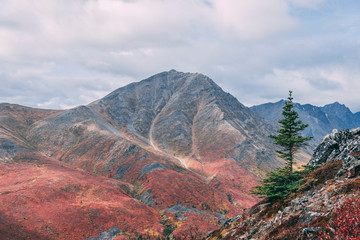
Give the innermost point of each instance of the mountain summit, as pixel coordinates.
(185, 115)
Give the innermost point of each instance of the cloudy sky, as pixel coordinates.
(63, 53)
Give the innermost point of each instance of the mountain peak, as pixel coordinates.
(336, 108)
(176, 74)
(335, 104)
(173, 97)
(162, 85)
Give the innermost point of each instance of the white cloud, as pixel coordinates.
(132, 24)
(56, 53)
(251, 19)
(111, 34)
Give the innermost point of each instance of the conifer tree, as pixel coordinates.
(288, 137)
(283, 181)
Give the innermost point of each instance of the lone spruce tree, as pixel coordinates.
(283, 181)
(288, 137)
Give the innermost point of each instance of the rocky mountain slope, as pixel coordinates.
(175, 144)
(42, 198)
(325, 206)
(14, 122)
(321, 120)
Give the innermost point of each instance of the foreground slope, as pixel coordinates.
(323, 205)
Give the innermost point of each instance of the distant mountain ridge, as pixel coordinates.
(341, 116)
(321, 120)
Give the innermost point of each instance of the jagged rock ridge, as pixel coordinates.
(343, 145)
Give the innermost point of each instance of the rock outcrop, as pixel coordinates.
(344, 146)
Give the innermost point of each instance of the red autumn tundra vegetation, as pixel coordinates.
(44, 199)
(346, 223)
